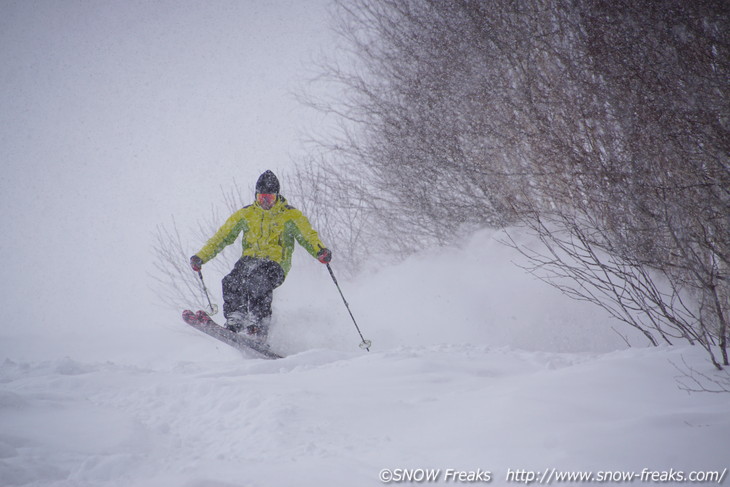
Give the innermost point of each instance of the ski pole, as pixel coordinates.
(366, 344)
(213, 309)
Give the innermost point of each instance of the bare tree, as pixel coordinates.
(177, 285)
(692, 380)
(601, 125)
(649, 187)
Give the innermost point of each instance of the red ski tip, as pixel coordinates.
(189, 317)
(202, 316)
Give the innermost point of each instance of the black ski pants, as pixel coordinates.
(249, 288)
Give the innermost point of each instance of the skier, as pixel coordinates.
(269, 226)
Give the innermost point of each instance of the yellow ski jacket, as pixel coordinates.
(267, 234)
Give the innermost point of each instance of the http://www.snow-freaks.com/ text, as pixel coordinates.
(548, 476)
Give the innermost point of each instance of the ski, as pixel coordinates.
(201, 321)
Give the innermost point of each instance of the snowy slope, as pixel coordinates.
(330, 418)
(475, 367)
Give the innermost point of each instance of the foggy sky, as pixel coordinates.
(116, 116)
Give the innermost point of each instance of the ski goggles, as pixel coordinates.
(266, 200)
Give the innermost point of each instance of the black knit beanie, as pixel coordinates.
(267, 183)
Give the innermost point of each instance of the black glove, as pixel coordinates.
(324, 256)
(196, 263)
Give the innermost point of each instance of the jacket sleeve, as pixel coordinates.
(306, 235)
(224, 237)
